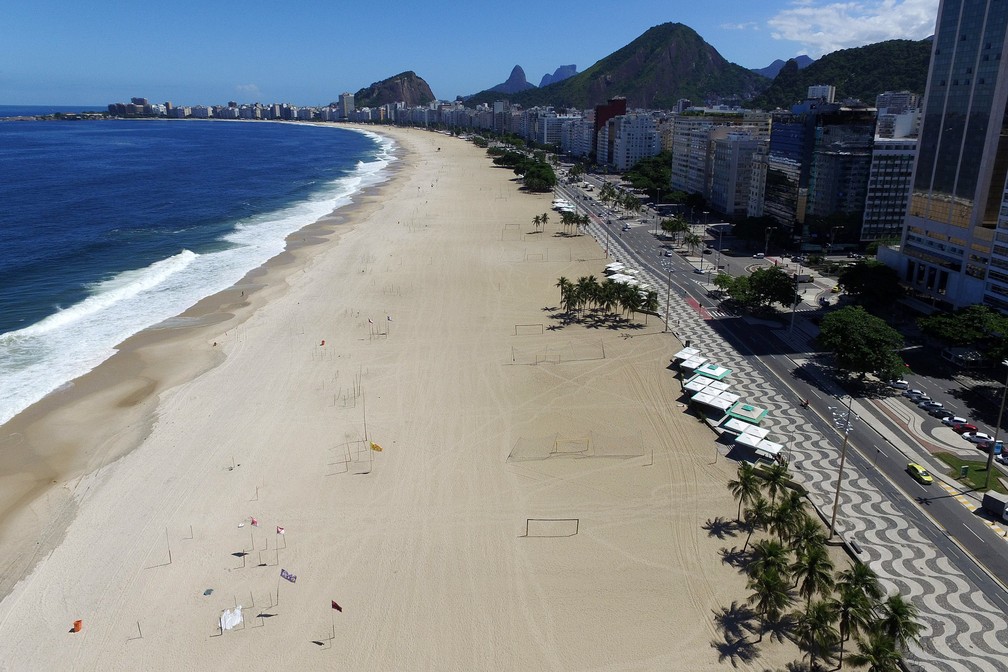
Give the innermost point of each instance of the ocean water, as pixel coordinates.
(110, 227)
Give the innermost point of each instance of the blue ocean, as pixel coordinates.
(109, 227)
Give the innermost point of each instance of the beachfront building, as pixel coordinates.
(577, 135)
(346, 105)
(954, 249)
(626, 139)
(731, 170)
(889, 186)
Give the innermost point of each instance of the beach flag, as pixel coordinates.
(284, 574)
(337, 607)
(375, 447)
(280, 530)
(255, 522)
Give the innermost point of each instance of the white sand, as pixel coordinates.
(423, 543)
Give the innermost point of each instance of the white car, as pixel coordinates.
(911, 393)
(977, 437)
(954, 420)
(930, 405)
(899, 384)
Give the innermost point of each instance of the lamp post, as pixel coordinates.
(831, 236)
(717, 263)
(843, 458)
(766, 242)
(794, 304)
(997, 431)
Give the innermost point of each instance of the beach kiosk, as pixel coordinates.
(747, 412)
(692, 364)
(713, 371)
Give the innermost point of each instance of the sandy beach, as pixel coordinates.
(538, 501)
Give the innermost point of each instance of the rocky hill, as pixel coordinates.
(515, 83)
(771, 70)
(861, 72)
(560, 74)
(406, 87)
(666, 63)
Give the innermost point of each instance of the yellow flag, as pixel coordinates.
(375, 447)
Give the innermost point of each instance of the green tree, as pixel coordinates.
(872, 284)
(899, 621)
(815, 631)
(776, 477)
(862, 343)
(745, 487)
(854, 612)
(813, 573)
(771, 285)
(756, 516)
(877, 653)
(861, 578)
(788, 516)
(537, 222)
(692, 241)
(770, 595)
(769, 555)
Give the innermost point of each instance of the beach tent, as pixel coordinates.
(747, 412)
(694, 362)
(713, 400)
(685, 354)
(712, 370)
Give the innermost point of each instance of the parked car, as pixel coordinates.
(919, 473)
(964, 427)
(899, 384)
(1002, 458)
(920, 399)
(977, 437)
(954, 420)
(758, 255)
(911, 393)
(708, 251)
(930, 405)
(987, 445)
(941, 413)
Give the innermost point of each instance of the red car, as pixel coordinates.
(964, 427)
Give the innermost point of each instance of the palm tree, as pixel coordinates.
(813, 573)
(788, 516)
(692, 241)
(536, 221)
(745, 488)
(770, 596)
(545, 219)
(769, 556)
(899, 621)
(565, 292)
(853, 610)
(806, 533)
(877, 653)
(860, 577)
(776, 477)
(649, 303)
(816, 634)
(756, 516)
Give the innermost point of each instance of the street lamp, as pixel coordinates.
(766, 242)
(668, 297)
(997, 430)
(717, 263)
(843, 458)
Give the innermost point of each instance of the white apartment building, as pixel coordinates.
(636, 138)
(731, 171)
(825, 92)
(890, 180)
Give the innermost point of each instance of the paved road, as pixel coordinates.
(900, 529)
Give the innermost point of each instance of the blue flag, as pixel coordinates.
(284, 574)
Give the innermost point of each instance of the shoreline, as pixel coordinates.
(38, 484)
(538, 502)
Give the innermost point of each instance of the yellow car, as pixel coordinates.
(835, 290)
(919, 473)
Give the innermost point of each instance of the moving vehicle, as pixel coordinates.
(835, 290)
(919, 473)
(758, 255)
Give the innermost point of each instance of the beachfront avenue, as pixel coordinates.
(881, 524)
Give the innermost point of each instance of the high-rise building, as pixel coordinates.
(954, 249)
(825, 92)
(346, 105)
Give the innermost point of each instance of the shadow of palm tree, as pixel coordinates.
(720, 527)
(738, 651)
(736, 557)
(782, 628)
(735, 621)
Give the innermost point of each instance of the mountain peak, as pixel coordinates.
(515, 83)
(406, 86)
(560, 74)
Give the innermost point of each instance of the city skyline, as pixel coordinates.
(193, 53)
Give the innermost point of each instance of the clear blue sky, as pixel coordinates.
(98, 51)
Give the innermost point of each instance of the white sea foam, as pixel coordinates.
(45, 356)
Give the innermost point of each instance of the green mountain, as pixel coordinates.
(406, 87)
(862, 72)
(666, 63)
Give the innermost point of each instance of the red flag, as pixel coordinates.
(337, 607)
(280, 530)
(255, 522)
